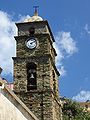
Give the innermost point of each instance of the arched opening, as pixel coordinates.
(31, 76)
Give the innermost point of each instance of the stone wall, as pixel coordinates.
(43, 105)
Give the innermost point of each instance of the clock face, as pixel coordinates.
(31, 43)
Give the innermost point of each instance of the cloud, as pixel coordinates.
(65, 46)
(62, 71)
(82, 96)
(23, 18)
(86, 28)
(7, 42)
(66, 43)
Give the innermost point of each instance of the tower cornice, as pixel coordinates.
(37, 22)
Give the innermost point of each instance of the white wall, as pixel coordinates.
(8, 111)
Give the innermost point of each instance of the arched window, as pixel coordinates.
(31, 76)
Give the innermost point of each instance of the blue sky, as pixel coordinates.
(70, 24)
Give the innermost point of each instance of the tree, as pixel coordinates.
(72, 111)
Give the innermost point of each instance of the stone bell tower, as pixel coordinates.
(35, 73)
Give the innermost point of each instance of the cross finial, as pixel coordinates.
(36, 10)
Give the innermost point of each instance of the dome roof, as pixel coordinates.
(33, 18)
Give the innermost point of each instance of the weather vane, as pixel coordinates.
(36, 10)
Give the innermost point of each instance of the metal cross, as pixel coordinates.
(36, 10)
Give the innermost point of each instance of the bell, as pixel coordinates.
(32, 76)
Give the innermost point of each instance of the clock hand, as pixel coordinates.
(32, 42)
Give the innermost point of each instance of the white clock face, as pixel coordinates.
(31, 43)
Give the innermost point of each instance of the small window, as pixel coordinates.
(32, 30)
(31, 76)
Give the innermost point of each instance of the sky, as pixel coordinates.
(70, 23)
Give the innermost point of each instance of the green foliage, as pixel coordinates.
(72, 111)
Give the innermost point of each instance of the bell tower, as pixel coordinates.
(35, 73)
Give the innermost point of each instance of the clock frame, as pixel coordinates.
(31, 43)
